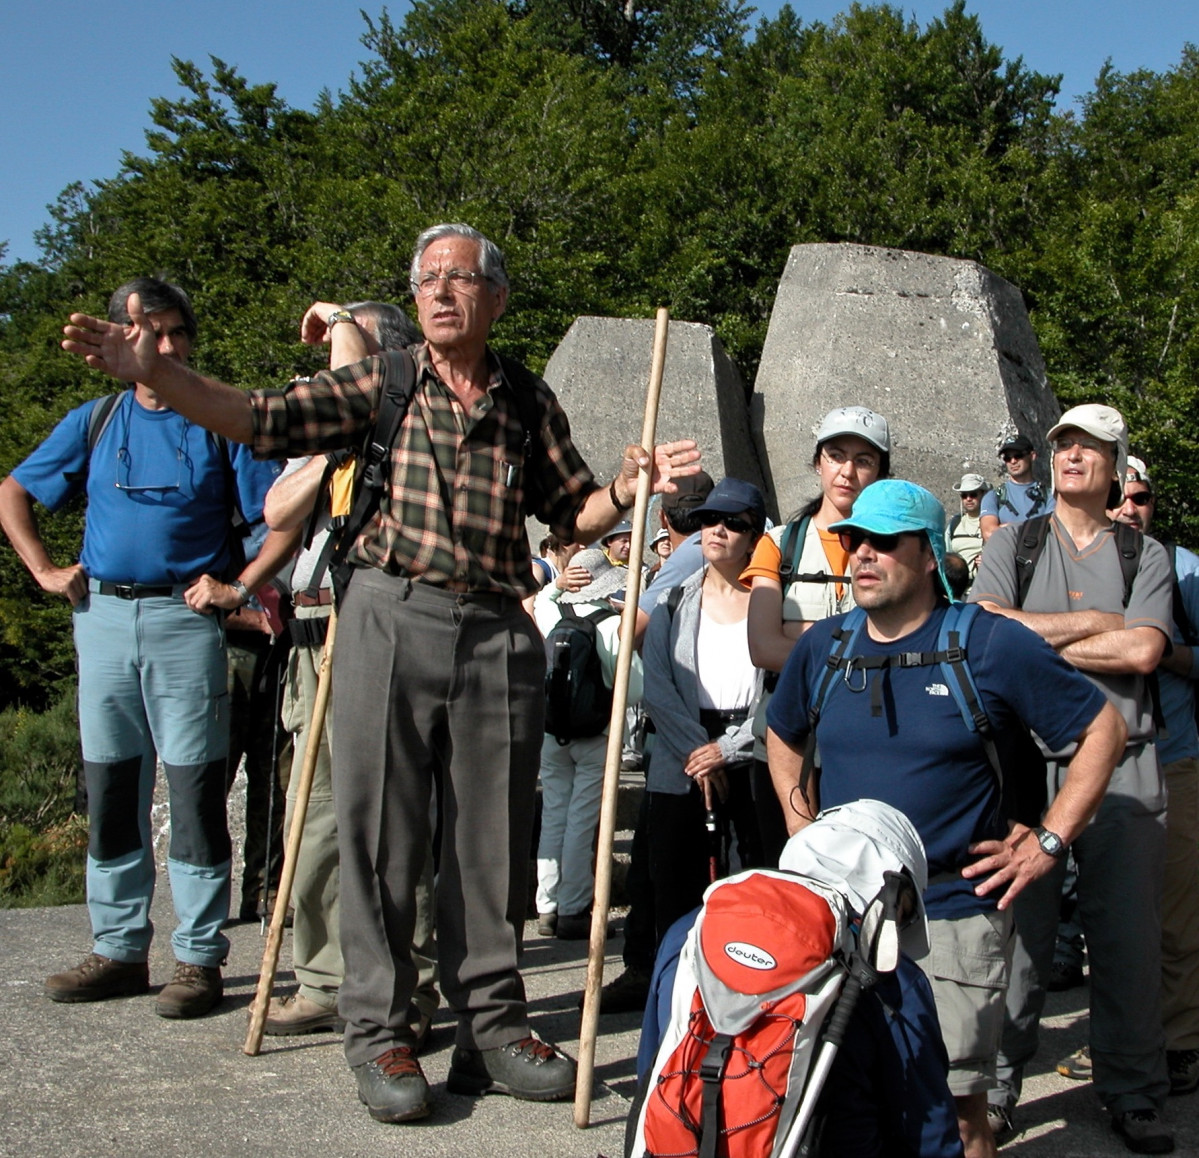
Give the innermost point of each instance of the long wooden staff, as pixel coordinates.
(620, 696)
(274, 938)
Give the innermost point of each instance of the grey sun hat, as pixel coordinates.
(971, 482)
(850, 847)
(857, 420)
(606, 578)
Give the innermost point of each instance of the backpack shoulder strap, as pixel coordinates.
(1130, 543)
(791, 548)
(955, 668)
(1028, 551)
(844, 639)
(98, 421)
(673, 598)
(399, 384)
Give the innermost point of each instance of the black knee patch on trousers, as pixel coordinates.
(112, 808)
(199, 827)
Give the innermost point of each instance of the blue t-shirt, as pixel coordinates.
(1020, 501)
(918, 755)
(157, 508)
(1180, 739)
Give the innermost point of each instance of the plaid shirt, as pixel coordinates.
(453, 510)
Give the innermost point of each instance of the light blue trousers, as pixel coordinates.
(152, 680)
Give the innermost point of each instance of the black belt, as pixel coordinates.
(134, 590)
(715, 718)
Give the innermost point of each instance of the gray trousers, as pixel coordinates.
(433, 688)
(1121, 860)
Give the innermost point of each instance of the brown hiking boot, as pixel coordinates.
(192, 992)
(97, 978)
(286, 1016)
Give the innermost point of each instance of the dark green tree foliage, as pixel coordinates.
(626, 155)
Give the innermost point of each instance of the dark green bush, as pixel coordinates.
(42, 840)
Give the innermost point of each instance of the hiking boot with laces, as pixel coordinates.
(529, 1068)
(393, 1086)
(192, 992)
(1143, 1132)
(296, 1013)
(1183, 1065)
(97, 978)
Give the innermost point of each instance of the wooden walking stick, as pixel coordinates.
(620, 695)
(274, 938)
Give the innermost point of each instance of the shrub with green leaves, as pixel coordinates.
(42, 839)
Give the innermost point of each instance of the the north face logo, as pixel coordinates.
(937, 690)
(750, 955)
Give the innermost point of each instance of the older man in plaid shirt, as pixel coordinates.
(438, 671)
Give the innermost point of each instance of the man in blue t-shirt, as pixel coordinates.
(893, 732)
(157, 561)
(1020, 496)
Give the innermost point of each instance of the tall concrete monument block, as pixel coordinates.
(600, 373)
(942, 348)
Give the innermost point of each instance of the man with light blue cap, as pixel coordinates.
(889, 729)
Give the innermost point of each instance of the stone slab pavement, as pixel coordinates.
(114, 1079)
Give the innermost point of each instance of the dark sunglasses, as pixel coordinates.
(1013, 455)
(852, 539)
(1140, 499)
(971, 494)
(735, 524)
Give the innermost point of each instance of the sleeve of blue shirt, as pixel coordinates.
(253, 478)
(683, 562)
(989, 505)
(51, 473)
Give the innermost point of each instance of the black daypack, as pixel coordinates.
(374, 457)
(578, 704)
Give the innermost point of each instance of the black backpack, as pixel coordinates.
(578, 704)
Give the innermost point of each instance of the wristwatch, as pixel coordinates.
(1050, 842)
(338, 316)
(242, 594)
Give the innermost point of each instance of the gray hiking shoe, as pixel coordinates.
(529, 1068)
(393, 1086)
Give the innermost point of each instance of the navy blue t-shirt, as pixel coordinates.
(918, 754)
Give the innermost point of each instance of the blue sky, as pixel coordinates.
(77, 78)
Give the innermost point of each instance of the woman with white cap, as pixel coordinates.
(795, 567)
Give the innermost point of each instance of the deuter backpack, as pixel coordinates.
(578, 704)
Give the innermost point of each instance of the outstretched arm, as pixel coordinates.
(669, 461)
(130, 354)
(20, 525)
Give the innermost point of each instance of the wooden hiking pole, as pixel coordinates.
(620, 696)
(274, 938)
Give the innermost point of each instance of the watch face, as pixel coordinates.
(1050, 842)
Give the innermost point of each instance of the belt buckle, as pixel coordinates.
(124, 590)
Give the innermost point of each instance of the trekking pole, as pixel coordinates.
(274, 940)
(710, 825)
(272, 663)
(620, 695)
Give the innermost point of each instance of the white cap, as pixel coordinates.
(1103, 422)
(856, 420)
(971, 482)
